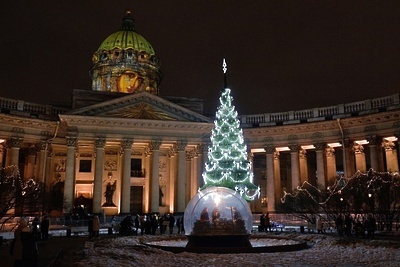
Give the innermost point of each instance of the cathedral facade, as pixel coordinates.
(124, 149)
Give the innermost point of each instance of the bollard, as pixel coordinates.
(302, 229)
(69, 232)
(110, 231)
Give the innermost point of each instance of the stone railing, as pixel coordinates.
(31, 108)
(324, 113)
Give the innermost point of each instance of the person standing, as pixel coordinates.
(137, 223)
(370, 226)
(262, 223)
(35, 231)
(348, 223)
(178, 224)
(154, 224)
(171, 224)
(96, 226)
(90, 227)
(319, 225)
(183, 225)
(44, 227)
(339, 225)
(268, 222)
(25, 251)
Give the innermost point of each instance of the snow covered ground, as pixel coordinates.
(325, 250)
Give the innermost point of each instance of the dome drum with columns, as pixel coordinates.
(154, 148)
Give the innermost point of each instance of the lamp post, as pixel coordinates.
(371, 202)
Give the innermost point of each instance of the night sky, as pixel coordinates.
(281, 55)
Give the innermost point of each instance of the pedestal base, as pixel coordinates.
(109, 211)
(218, 241)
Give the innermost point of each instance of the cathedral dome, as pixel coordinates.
(126, 38)
(126, 62)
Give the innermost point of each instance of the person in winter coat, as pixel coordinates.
(96, 226)
(44, 227)
(90, 227)
(171, 224)
(25, 250)
(319, 225)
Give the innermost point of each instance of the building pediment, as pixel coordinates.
(142, 105)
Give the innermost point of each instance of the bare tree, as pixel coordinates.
(19, 197)
(377, 193)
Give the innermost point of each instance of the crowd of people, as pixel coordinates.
(149, 224)
(358, 226)
(24, 245)
(26, 235)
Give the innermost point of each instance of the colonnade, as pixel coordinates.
(383, 156)
(185, 166)
(183, 178)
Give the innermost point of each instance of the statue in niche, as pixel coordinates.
(109, 193)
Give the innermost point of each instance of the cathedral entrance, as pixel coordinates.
(136, 200)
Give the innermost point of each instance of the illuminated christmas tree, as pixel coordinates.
(228, 164)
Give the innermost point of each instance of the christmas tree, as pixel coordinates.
(228, 164)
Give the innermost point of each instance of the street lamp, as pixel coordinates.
(371, 202)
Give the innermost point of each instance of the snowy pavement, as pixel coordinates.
(325, 250)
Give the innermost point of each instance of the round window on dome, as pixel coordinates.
(104, 56)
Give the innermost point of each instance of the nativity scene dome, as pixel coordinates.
(126, 62)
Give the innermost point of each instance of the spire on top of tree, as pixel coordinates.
(228, 164)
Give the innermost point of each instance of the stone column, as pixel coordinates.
(29, 170)
(348, 158)
(361, 164)
(172, 179)
(201, 155)
(181, 184)
(49, 170)
(99, 144)
(69, 185)
(303, 166)
(188, 176)
(330, 165)
(270, 178)
(373, 153)
(203, 159)
(277, 175)
(126, 146)
(155, 176)
(41, 160)
(2, 150)
(194, 185)
(146, 187)
(14, 145)
(294, 162)
(319, 151)
(392, 164)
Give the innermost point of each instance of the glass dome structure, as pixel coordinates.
(218, 211)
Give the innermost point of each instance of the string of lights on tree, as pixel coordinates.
(228, 163)
(374, 183)
(10, 176)
(11, 180)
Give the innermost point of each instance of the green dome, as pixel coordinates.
(126, 38)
